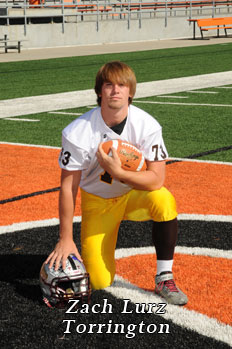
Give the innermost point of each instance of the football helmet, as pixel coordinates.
(59, 286)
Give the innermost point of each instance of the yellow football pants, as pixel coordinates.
(101, 220)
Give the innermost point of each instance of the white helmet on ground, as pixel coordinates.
(59, 286)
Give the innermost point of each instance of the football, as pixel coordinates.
(131, 157)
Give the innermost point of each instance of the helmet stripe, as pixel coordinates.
(72, 263)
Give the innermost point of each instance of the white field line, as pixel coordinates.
(55, 221)
(227, 87)
(179, 159)
(196, 251)
(202, 161)
(156, 88)
(64, 113)
(30, 145)
(24, 120)
(46, 103)
(188, 104)
(67, 100)
(204, 217)
(33, 224)
(204, 92)
(181, 316)
(174, 97)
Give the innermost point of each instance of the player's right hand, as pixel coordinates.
(63, 249)
(111, 164)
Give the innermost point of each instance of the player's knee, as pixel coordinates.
(101, 272)
(163, 205)
(100, 280)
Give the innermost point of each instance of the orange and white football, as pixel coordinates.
(131, 157)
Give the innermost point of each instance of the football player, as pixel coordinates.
(110, 194)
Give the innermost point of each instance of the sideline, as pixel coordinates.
(39, 53)
(169, 159)
(75, 99)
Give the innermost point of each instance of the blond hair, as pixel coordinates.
(115, 72)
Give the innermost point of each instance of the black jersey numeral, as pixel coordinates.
(65, 156)
(106, 177)
(155, 148)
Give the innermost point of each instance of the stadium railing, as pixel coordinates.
(26, 11)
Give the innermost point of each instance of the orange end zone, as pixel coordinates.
(26, 170)
(32, 209)
(201, 188)
(198, 187)
(207, 291)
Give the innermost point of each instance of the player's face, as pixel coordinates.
(114, 96)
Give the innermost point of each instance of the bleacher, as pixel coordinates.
(10, 9)
(25, 13)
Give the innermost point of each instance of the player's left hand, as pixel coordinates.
(111, 164)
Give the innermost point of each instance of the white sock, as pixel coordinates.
(163, 265)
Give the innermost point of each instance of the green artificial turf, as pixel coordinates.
(187, 129)
(31, 78)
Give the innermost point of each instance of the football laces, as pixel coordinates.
(130, 146)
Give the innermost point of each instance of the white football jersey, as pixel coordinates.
(81, 138)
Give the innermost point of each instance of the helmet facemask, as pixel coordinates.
(58, 287)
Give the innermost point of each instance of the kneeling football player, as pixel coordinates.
(109, 193)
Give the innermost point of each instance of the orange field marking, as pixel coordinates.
(207, 291)
(201, 188)
(26, 170)
(32, 209)
(198, 187)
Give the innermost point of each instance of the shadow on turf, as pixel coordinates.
(22, 272)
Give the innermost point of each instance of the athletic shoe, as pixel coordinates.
(165, 287)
